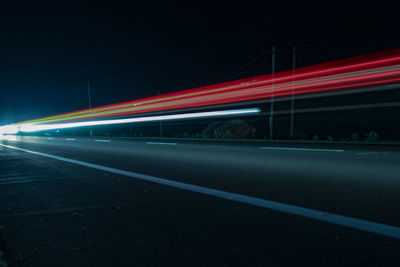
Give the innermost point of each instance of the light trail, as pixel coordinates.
(28, 128)
(339, 66)
(362, 71)
(379, 75)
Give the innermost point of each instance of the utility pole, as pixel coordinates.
(292, 98)
(90, 103)
(271, 114)
(161, 126)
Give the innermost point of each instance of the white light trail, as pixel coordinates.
(8, 129)
(27, 128)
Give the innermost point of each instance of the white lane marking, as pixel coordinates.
(359, 224)
(302, 149)
(101, 140)
(160, 143)
(70, 139)
(370, 153)
(50, 138)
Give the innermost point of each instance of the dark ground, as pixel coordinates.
(59, 214)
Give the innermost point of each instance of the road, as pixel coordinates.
(75, 201)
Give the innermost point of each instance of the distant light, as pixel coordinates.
(8, 129)
(9, 137)
(42, 127)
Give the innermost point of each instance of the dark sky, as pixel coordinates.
(130, 50)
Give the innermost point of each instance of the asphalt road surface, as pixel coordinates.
(129, 202)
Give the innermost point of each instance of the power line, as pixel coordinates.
(242, 67)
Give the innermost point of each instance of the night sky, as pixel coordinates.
(49, 51)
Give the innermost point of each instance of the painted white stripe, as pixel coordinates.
(101, 140)
(302, 149)
(370, 153)
(50, 138)
(160, 143)
(70, 139)
(364, 225)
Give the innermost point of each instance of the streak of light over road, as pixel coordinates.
(363, 71)
(41, 127)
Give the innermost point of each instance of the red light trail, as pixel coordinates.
(374, 69)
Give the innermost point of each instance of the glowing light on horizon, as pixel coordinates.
(7, 137)
(8, 129)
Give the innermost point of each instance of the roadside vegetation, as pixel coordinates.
(228, 133)
(371, 136)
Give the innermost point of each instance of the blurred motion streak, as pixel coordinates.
(357, 72)
(42, 127)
